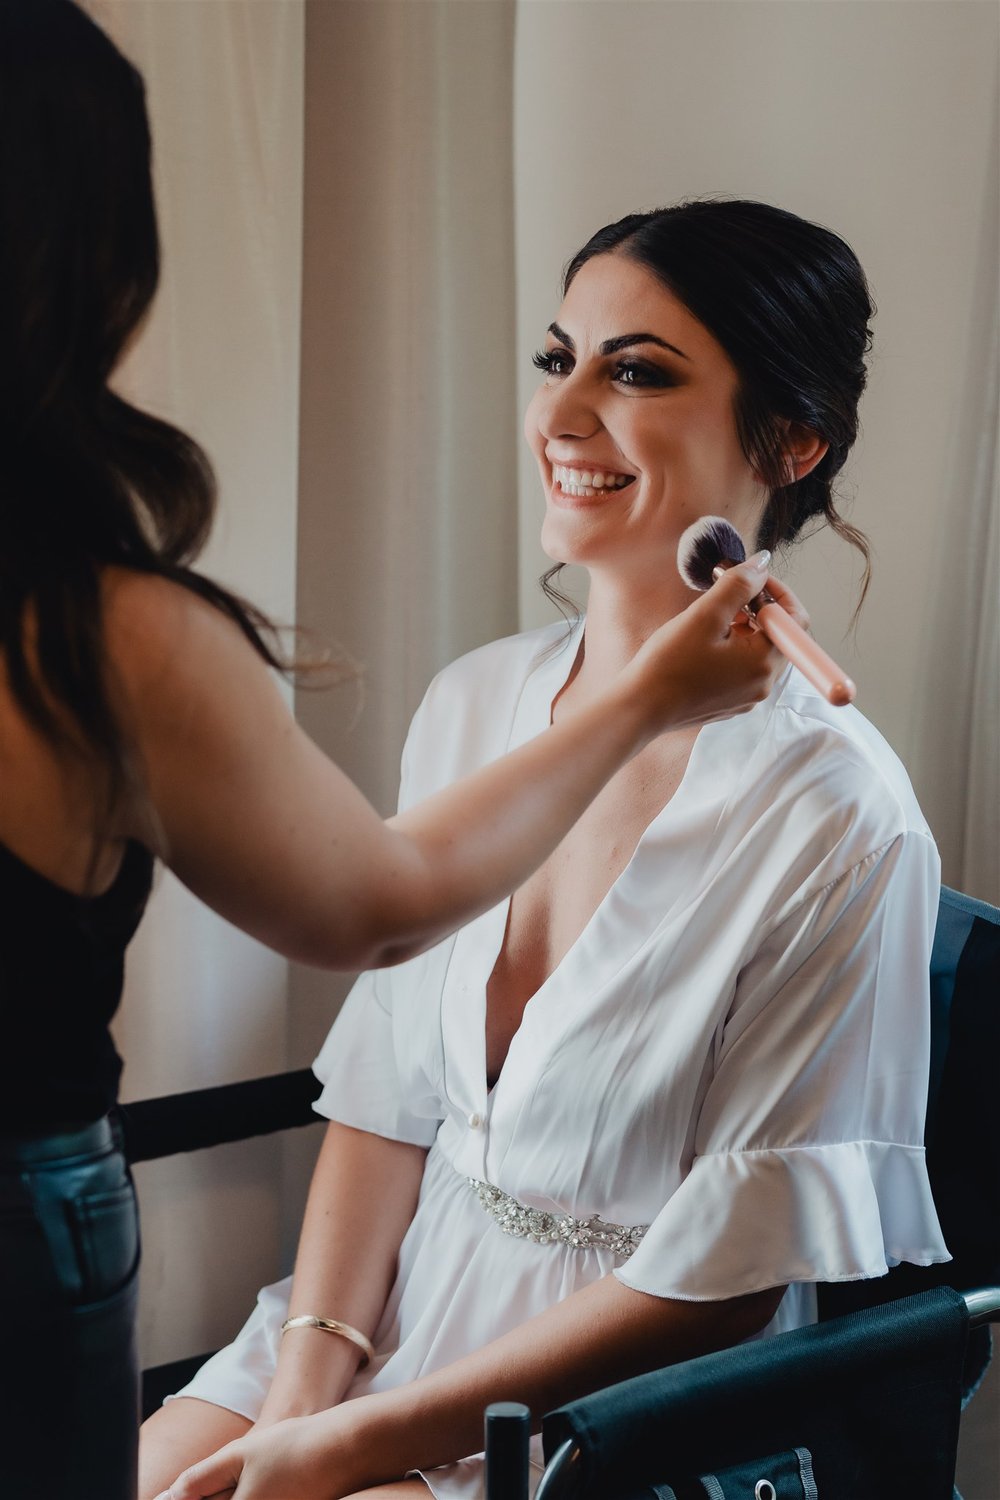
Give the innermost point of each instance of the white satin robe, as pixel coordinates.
(734, 1052)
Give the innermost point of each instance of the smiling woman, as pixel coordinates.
(747, 385)
(659, 418)
(637, 1111)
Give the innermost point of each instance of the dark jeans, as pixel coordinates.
(69, 1257)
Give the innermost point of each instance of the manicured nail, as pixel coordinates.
(760, 560)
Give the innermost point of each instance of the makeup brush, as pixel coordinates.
(712, 544)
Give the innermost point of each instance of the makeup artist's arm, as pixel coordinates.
(266, 830)
(604, 1333)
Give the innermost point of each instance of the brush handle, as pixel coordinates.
(800, 648)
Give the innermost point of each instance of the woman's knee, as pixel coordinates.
(179, 1434)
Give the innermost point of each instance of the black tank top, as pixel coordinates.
(61, 969)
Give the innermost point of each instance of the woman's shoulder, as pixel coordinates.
(819, 802)
(488, 672)
(833, 776)
(469, 710)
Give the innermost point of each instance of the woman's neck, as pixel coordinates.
(620, 618)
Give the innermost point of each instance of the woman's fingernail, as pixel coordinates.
(760, 560)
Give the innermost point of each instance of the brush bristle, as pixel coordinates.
(703, 546)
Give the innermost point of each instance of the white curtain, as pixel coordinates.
(409, 430)
(204, 1004)
(981, 852)
(956, 714)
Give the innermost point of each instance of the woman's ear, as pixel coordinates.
(803, 450)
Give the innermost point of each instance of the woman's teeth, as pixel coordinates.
(587, 481)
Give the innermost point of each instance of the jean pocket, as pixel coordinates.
(105, 1229)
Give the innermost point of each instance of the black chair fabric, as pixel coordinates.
(873, 1397)
(963, 1137)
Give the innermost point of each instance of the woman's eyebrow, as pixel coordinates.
(622, 341)
(626, 340)
(562, 336)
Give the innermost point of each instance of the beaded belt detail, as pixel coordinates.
(526, 1223)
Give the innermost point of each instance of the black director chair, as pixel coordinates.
(864, 1405)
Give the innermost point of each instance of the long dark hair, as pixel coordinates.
(87, 480)
(789, 303)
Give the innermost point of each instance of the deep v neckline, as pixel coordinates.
(503, 911)
(661, 878)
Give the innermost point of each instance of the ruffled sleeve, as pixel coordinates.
(808, 1162)
(360, 1073)
(358, 1064)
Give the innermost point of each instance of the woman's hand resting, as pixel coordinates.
(310, 1458)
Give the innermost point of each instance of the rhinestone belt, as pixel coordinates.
(556, 1229)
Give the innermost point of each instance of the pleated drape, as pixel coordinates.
(408, 525)
(220, 356)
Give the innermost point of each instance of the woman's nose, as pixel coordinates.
(567, 409)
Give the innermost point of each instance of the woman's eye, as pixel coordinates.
(636, 372)
(551, 361)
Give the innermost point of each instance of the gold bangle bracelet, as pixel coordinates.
(333, 1325)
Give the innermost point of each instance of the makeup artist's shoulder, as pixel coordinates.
(156, 630)
(847, 763)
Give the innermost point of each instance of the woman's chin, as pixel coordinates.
(570, 543)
